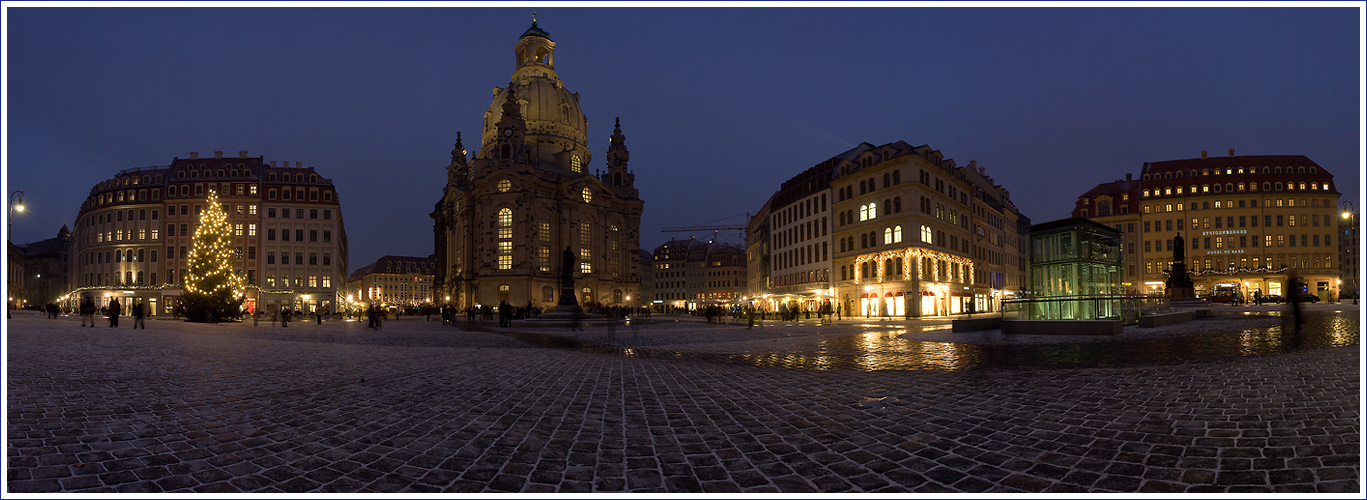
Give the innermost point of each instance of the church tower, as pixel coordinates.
(618, 176)
(508, 213)
(512, 129)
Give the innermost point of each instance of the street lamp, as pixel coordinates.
(1351, 216)
(14, 205)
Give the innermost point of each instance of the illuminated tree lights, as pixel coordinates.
(213, 287)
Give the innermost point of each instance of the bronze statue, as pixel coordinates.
(1179, 248)
(567, 278)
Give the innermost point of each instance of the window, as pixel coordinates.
(575, 165)
(504, 185)
(251, 229)
(926, 235)
(588, 195)
(327, 236)
(313, 235)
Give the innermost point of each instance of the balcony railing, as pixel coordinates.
(1126, 308)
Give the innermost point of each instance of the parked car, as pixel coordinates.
(1270, 299)
(1310, 297)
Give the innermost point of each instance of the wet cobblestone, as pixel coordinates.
(421, 408)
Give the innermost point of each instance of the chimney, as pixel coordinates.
(218, 155)
(194, 155)
(1231, 153)
(1129, 177)
(272, 163)
(1203, 154)
(242, 154)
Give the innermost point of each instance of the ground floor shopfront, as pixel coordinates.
(1247, 285)
(163, 301)
(915, 299)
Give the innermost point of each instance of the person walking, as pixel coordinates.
(285, 318)
(114, 313)
(139, 312)
(319, 312)
(88, 311)
(505, 314)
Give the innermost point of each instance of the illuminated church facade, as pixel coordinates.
(509, 212)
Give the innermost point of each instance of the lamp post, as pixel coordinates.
(18, 205)
(1351, 217)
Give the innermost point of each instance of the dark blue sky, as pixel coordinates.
(719, 106)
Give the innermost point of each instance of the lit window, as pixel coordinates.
(505, 223)
(588, 195)
(237, 229)
(575, 166)
(504, 185)
(327, 281)
(926, 234)
(251, 229)
(251, 209)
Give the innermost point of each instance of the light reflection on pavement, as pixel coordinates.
(885, 347)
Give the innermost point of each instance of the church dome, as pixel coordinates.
(555, 123)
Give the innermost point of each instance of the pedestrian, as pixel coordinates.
(139, 312)
(319, 312)
(285, 317)
(114, 313)
(445, 314)
(505, 314)
(256, 316)
(88, 311)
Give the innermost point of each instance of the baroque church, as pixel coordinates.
(528, 198)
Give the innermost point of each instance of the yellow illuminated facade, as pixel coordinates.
(1250, 224)
(509, 212)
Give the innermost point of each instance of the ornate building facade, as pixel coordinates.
(132, 238)
(509, 212)
(1252, 224)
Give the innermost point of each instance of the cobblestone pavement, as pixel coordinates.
(1220, 405)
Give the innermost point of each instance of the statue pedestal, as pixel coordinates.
(1181, 291)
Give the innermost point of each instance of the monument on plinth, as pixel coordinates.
(568, 303)
(1180, 290)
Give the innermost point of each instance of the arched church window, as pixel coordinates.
(575, 165)
(588, 195)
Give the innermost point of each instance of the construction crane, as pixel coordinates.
(712, 227)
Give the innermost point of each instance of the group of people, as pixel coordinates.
(138, 310)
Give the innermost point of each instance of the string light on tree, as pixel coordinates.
(212, 283)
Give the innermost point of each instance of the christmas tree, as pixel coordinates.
(213, 288)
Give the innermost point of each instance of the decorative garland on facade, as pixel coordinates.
(910, 255)
(1241, 270)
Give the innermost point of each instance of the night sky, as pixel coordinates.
(719, 105)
